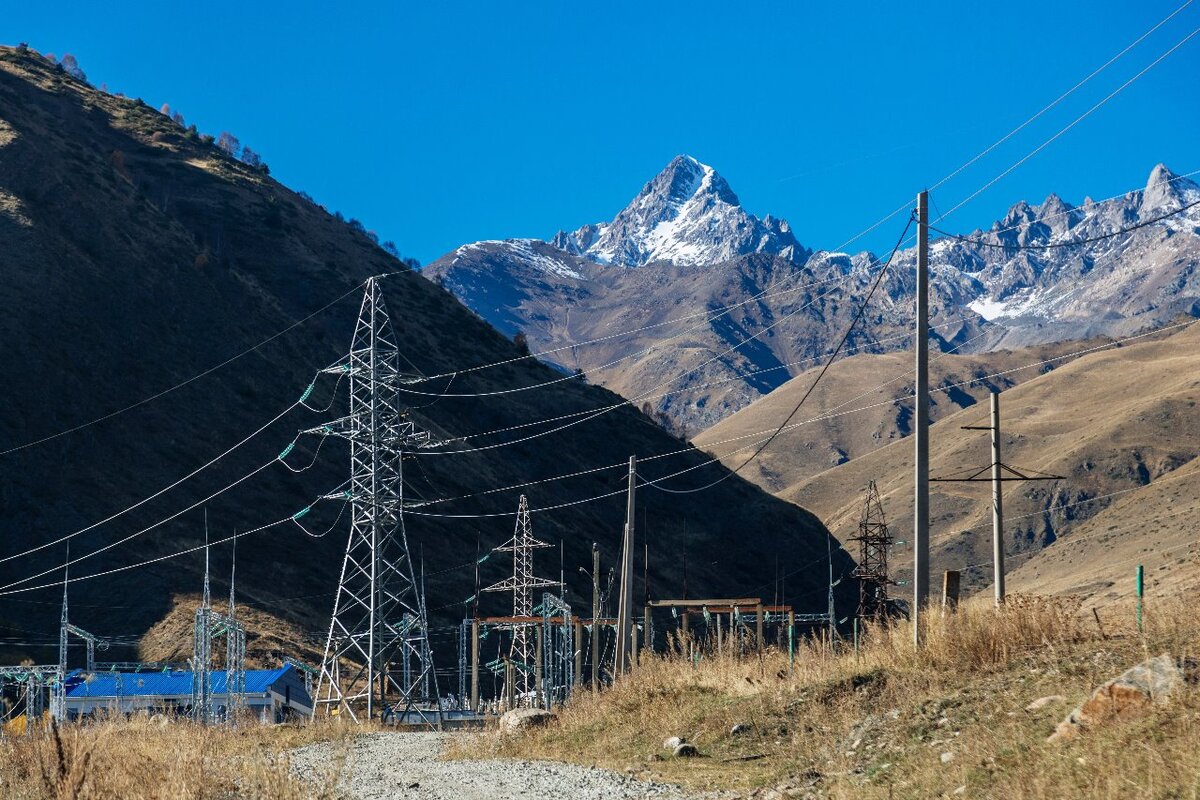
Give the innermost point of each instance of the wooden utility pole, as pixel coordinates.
(921, 425)
(595, 618)
(997, 505)
(625, 604)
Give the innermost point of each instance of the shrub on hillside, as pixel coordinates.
(229, 143)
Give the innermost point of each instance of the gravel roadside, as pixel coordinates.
(406, 765)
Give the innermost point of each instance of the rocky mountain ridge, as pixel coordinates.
(684, 251)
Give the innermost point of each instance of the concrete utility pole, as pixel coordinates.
(595, 618)
(997, 504)
(625, 604)
(1000, 472)
(921, 424)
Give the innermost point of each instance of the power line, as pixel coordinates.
(1076, 243)
(786, 428)
(862, 308)
(704, 323)
(176, 515)
(1095, 205)
(1060, 98)
(8, 591)
(1075, 122)
(183, 383)
(633, 400)
(185, 478)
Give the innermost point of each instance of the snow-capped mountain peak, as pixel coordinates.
(687, 214)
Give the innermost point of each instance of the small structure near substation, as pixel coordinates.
(208, 695)
(267, 695)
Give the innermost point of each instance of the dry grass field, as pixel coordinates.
(143, 759)
(851, 413)
(1126, 454)
(951, 721)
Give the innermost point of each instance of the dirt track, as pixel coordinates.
(406, 765)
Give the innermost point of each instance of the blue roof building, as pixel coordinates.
(272, 695)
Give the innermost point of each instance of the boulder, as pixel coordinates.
(1042, 702)
(685, 750)
(520, 719)
(1128, 695)
(672, 742)
(739, 729)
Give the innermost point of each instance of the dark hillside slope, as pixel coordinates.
(135, 257)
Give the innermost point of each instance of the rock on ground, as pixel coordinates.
(381, 766)
(521, 718)
(1129, 694)
(1042, 702)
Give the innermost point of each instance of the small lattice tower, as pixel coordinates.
(522, 585)
(874, 540)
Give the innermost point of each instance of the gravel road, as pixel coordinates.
(406, 765)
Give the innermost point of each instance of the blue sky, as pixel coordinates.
(439, 124)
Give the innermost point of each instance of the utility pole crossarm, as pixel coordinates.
(1000, 473)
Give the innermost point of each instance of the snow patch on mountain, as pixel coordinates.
(523, 249)
(687, 214)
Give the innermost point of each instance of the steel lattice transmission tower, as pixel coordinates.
(377, 657)
(872, 570)
(521, 584)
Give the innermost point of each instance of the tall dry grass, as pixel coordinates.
(876, 723)
(144, 759)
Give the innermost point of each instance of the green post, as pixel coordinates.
(1141, 592)
(791, 647)
(856, 640)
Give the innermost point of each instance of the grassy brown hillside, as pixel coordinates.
(136, 257)
(851, 412)
(1122, 420)
(968, 716)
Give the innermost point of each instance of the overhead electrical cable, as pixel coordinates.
(72, 561)
(762, 435)
(861, 311)
(1060, 98)
(7, 590)
(183, 383)
(163, 490)
(1071, 125)
(902, 207)
(840, 279)
(632, 401)
(1074, 243)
